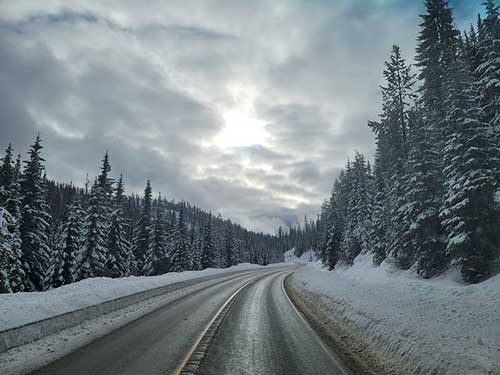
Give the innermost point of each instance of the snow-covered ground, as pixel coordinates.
(438, 326)
(306, 257)
(22, 308)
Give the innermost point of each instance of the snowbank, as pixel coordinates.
(307, 257)
(437, 326)
(19, 309)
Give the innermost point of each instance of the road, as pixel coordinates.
(238, 324)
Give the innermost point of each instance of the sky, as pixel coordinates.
(247, 108)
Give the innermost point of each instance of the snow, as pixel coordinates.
(307, 257)
(19, 309)
(438, 326)
(3, 219)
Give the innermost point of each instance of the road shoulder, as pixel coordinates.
(354, 352)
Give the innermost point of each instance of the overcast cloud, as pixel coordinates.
(247, 108)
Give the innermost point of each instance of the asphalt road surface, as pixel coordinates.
(238, 324)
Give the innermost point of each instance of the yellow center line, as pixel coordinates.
(200, 337)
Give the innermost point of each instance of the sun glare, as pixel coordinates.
(241, 126)
(241, 129)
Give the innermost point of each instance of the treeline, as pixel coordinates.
(431, 199)
(53, 234)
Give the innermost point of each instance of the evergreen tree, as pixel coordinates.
(7, 174)
(207, 249)
(179, 259)
(229, 245)
(72, 242)
(471, 165)
(354, 238)
(335, 227)
(157, 260)
(12, 276)
(381, 215)
(95, 236)
(196, 251)
(436, 50)
(142, 235)
(396, 98)
(119, 252)
(488, 72)
(423, 239)
(35, 220)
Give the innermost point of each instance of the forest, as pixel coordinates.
(53, 234)
(430, 200)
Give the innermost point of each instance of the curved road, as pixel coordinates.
(259, 332)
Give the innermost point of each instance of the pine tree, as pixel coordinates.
(354, 238)
(208, 248)
(53, 278)
(196, 247)
(228, 245)
(142, 234)
(105, 182)
(157, 259)
(334, 227)
(95, 236)
(34, 220)
(119, 252)
(422, 233)
(488, 72)
(7, 174)
(397, 95)
(72, 242)
(436, 50)
(179, 259)
(12, 277)
(471, 165)
(380, 220)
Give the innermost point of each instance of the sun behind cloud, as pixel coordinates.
(242, 127)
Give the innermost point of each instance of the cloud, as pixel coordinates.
(153, 85)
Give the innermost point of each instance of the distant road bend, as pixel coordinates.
(238, 324)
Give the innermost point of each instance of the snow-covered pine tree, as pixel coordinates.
(355, 236)
(95, 236)
(179, 258)
(157, 259)
(106, 184)
(208, 248)
(196, 250)
(391, 160)
(54, 274)
(192, 246)
(238, 251)
(72, 242)
(336, 224)
(471, 166)
(381, 213)
(7, 174)
(488, 72)
(324, 226)
(35, 220)
(436, 49)
(12, 278)
(119, 251)
(470, 48)
(228, 245)
(422, 233)
(142, 233)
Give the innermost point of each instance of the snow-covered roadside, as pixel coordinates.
(306, 257)
(437, 326)
(19, 309)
